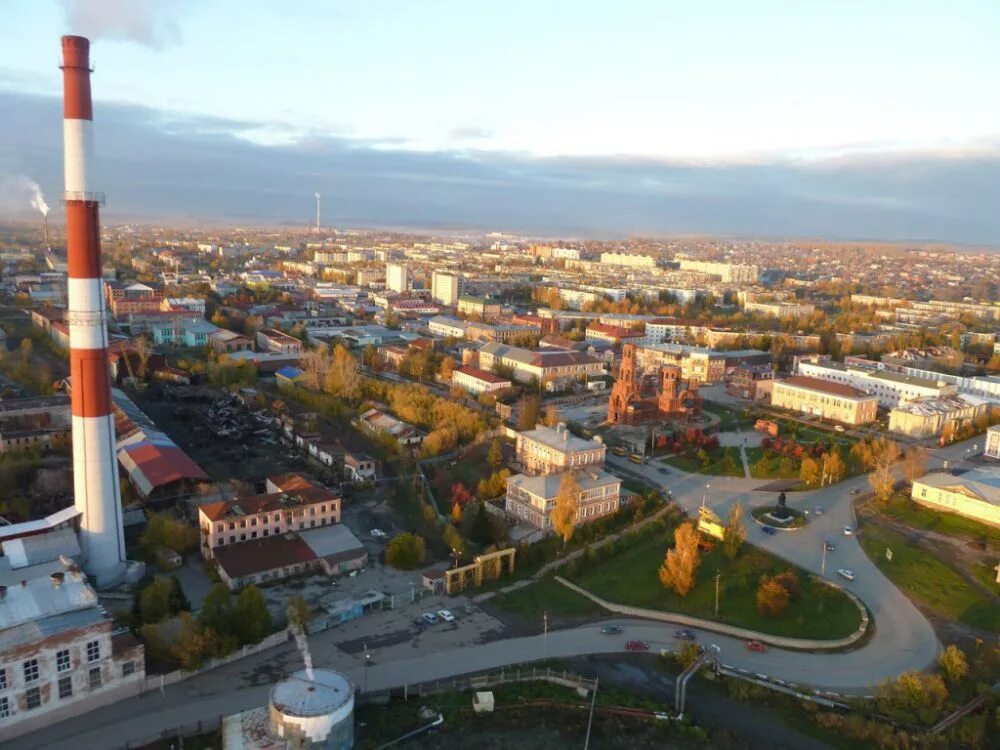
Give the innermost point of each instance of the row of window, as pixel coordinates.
(30, 667)
(33, 695)
(276, 519)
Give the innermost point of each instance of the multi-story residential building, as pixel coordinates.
(780, 309)
(58, 655)
(891, 388)
(728, 273)
(291, 503)
(614, 335)
(533, 498)
(929, 416)
(628, 259)
(696, 362)
(191, 304)
(974, 494)
(580, 295)
(826, 399)
(477, 381)
(397, 277)
(137, 297)
(549, 366)
(545, 450)
(368, 276)
(482, 307)
(273, 340)
(444, 288)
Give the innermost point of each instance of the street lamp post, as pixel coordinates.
(705, 494)
(545, 636)
(368, 663)
(718, 577)
(823, 568)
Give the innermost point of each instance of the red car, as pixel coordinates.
(636, 646)
(756, 646)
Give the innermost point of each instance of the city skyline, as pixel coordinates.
(773, 121)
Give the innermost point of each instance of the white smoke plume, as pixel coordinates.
(17, 192)
(37, 199)
(147, 22)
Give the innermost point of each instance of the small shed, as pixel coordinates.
(482, 702)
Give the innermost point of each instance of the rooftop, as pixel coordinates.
(982, 483)
(260, 555)
(486, 377)
(547, 485)
(559, 438)
(824, 386)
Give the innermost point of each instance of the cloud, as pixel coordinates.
(155, 165)
(147, 22)
(469, 133)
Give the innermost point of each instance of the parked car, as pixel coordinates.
(848, 531)
(819, 510)
(611, 630)
(430, 618)
(829, 546)
(845, 573)
(839, 428)
(663, 470)
(686, 635)
(636, 646)
(756, 646)
(768, 530)
(446, 615)
(856, 491)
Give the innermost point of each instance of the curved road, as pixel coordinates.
(903, 639)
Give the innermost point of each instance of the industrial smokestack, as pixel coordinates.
(95, 473)
(317, 211)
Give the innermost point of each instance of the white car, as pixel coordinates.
(377, 533)
(845, 573)
(430, 618)
(446, 615)
(848, 531)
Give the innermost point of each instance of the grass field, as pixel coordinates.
(930, 580)
(631, 578)
(904, 510)
(546, 596)
(716, 466)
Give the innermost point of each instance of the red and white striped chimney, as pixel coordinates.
(95, 470)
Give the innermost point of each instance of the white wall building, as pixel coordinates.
(891, 388)
(397, 277)
(444, 288)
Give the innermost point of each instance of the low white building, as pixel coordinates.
(992, 442)
(974, 494)
(891, 388)
(477, 381)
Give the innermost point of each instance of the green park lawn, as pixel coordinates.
(716, 465)
(546, 596)
(930, 580)
(821, 612)
(905, 511)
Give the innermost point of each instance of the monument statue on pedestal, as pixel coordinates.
(781, 512)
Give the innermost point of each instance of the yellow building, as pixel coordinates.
(825, 399)
(974, 494)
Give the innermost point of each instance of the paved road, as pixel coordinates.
(903, 639)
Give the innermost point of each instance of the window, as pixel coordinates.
(94, 678)
(93, 650)
(31, 670)
(128, 668)
(3, 679)
(65, 687)
(4, 707)
(62, 660)
(33, 697)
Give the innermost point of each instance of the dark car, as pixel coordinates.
(611, 630)
(829, 546)
(663, 470)
(768, 530)
(685, 635)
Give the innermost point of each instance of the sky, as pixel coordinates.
(850, 119)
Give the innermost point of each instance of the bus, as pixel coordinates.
(637, 458)
(619, 450)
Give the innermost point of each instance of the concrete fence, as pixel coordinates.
(505, 676)
(794, 644)
(159, 682)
